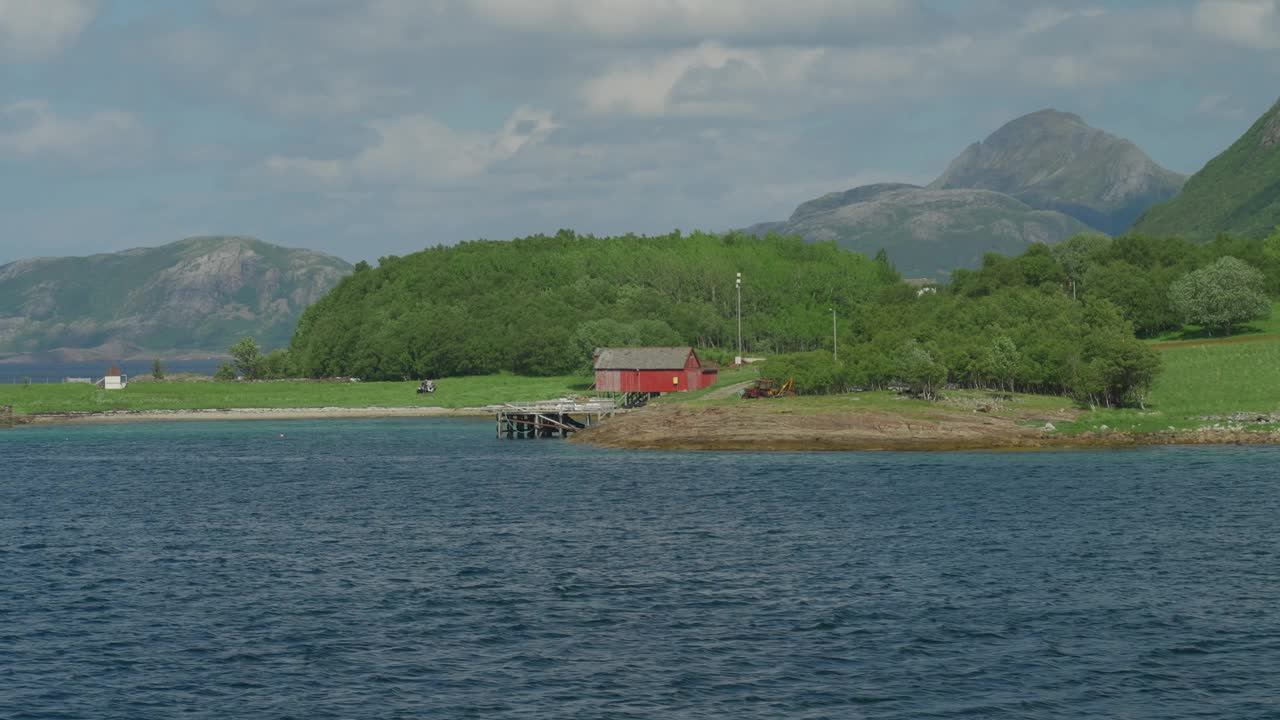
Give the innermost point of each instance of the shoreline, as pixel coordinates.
(746, 429)
(760, 428)
(321, 413)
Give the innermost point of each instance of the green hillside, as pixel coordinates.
(1238, 192)
(540, 305)
(196, 294)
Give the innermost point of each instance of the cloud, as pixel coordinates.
(1248, 23)
(418, 149)
(31, 128)
(690, 19)
(1044, 48)
(37, 29)
(283, 77)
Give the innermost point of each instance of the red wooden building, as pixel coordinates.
(651, 370)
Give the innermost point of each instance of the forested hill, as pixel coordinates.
(540, 305)
(198, 294)
(1237, 193)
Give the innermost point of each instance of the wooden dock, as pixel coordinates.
(550, 418)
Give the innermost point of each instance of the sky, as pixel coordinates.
(367, 128)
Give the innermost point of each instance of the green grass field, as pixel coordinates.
(1266, 326)
(1201, 382)
(201, 395)
(1206, 380)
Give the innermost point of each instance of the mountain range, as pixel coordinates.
(199, 294)
(1040, 178)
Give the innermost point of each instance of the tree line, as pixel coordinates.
(540, 305)
(1061, 320)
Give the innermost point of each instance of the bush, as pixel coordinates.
(225, 372)
(1222, 295)
(247, 358)
(815, 373)
(918, 368)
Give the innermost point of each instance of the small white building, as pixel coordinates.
(114, 379)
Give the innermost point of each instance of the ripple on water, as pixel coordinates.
(421, 569)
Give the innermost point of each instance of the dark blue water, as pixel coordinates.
(396, 569)
(50, 372)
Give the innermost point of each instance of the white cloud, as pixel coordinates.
(1077, 49)
(32, 128)
(286, 80)
(421, 149)
(1250, 23)
(321, 171)
(698, 19)
(35, 29)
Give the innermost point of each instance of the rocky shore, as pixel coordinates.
(761, 427)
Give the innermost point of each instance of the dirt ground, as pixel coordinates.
(765, 427)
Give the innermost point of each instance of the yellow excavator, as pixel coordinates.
(767, 388)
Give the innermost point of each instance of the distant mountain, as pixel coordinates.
(1053, 160)
(196, 294)
(1040, 178)
(1238, 192)
(926, 232)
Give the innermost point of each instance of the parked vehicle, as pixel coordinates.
(768, 388)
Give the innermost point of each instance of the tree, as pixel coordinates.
(1221, 296)
(885, 270)
(1077, 254)
(1141, 295)
(225, 372)
(277, 365)
(157, 370)
(1001, 360)
(917, 367)
(246, 357)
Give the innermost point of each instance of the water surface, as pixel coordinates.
(421, 568)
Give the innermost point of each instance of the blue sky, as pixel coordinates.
(373, 127)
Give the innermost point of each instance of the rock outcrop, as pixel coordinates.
(196, 294)
(926, 232)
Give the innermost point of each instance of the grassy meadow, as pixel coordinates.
(1203, 383)
(1189, 333)
(202, 395)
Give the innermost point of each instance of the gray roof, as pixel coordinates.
(642, 358)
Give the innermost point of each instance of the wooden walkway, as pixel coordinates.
(549, 418)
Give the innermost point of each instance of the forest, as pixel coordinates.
(540, 305)
(1061, 320)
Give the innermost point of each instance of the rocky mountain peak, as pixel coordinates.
(1053, 160)
(1271, 131)
(195, 294)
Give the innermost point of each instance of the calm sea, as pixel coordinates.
(422, 569)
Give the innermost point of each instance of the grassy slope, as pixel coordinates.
(1238, 192)
(1251, 330)
(1203, 380)
(451, 393)
(1201, 383)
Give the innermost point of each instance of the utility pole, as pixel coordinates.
(738, 283)
(835, 349)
